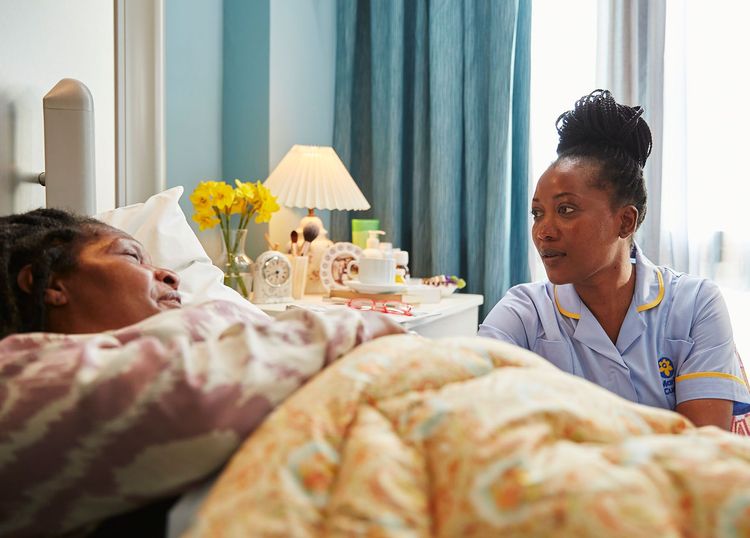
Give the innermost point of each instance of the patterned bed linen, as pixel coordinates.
(408, 437)
(95, 425)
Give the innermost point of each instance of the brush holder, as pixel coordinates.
(299, 276)
(315, 255)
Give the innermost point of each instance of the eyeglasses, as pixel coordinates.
(387, 307)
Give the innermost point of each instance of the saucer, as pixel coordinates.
(362, 287)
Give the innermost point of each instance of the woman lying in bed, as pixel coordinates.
(98, 392)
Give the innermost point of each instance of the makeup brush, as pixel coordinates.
(294, 236)
(309, 232)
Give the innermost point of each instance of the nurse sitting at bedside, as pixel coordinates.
(606, 313)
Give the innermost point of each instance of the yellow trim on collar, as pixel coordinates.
(561, 309)
(641, 308)
(659, 297)
(722, 375)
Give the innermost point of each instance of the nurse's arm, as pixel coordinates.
(512, 319)
(707, 412)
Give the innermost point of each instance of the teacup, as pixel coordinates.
(374, 270)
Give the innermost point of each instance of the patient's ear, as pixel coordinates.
(25, 280)
(628, 221)
(54, 295)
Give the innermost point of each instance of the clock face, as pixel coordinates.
(275, 271)
(272, 278)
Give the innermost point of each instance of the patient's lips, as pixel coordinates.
(171, 299)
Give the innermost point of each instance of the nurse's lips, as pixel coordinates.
(550, 255)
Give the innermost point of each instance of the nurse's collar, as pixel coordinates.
(641, 308)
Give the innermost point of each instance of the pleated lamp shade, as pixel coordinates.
(314, 177)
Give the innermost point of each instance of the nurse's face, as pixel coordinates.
(576, 231)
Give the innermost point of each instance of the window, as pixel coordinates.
(706, 178)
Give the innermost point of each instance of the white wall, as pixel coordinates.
(302, 75)
(42, 41)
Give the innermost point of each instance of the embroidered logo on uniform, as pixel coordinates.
(666, 370)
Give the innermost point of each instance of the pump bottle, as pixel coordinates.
(373, 244)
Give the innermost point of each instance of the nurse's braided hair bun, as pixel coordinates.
(615, 136)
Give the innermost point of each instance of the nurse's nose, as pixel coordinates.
(545, 229)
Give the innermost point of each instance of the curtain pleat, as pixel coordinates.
(521, 149)
(419, 220)
(631, 65)
(387, 23)
(432, 106)
(476, 141)
(446, 130)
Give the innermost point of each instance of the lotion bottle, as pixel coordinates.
(373, 244)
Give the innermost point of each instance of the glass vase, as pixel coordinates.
(237, 264)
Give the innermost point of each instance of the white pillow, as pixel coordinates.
(161, 227)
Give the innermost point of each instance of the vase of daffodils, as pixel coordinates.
(216, 202)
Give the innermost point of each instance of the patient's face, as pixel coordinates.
(114, 285)
(576, 230)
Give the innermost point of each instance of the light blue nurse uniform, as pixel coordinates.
(675, 344)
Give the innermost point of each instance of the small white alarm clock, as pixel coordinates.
(272, 278)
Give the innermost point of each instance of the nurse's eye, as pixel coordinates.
(565, 209)
(536, 213)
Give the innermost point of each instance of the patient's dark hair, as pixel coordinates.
(615, 137)
(47, 239)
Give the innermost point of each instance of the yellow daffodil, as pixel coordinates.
(201, 197)
(223, 196)
(265, 205)
(206, 219)
(245, 190)
(238, 206)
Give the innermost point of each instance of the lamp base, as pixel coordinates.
(312, 220)
(317, 237)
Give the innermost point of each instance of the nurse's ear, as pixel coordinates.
(628, 217)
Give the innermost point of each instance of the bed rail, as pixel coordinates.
(69, 176)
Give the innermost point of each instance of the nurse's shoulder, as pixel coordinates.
(517, 317)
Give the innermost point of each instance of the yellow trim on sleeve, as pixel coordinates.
(561, 309)
(659, 297)
(722, 375)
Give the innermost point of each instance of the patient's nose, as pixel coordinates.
(170, 278)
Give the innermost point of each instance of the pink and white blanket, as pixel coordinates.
(95, 425)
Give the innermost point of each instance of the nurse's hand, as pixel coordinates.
(708, 412)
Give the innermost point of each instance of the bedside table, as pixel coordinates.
(455, 315)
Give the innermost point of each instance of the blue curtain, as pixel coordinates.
(432, 120)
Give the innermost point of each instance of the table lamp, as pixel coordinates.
(313, 177)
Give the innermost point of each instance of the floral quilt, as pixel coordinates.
(95, 425)
(407, 437)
